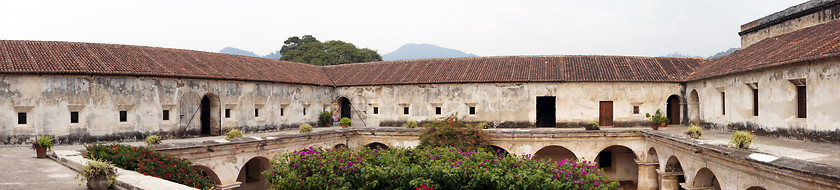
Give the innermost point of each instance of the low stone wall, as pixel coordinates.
(126, 179)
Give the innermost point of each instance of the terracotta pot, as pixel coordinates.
(655, 127)
(98, 183)
(664, 124)
(344, 126)
(41, 151)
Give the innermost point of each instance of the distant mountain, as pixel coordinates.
(727, 52)
(679, 55)
(273, 55)
(421, 51)
(237, 51)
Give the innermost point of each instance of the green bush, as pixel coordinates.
(44, 141)
(152, 139)
(234, 133)
(438, 168)
(741, 139)
(411, 124)
(345, 122)
(305, 128)
(150, 162)
(99, 168)
(450, 131)
(325, 119)
(482, 125)
(694, 131)
(592, 126)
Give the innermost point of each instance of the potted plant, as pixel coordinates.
(694, 131)
(344, 122)
(234, 133)
(741, 139)
(152, 140)
(99, 174)
(41, 145)
(325, 118)
(305, 128)
(592, 126)
(657, 118)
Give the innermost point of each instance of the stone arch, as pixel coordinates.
(210, 115)
(652, 156)
(345, 107)
(694, 107)
(705, 178)
(673, 165)
(672, 110)
(619, 164)
(497, 150)
(756, 188)
(377, 145)
(555, 153)
(338, 146)
(209, 173)
(672, 174)
(250, 175)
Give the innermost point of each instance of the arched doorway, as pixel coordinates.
(673, 109)
(376, 145)
(618, 163)
(345, 110)
(706, 179)
(209, 173)
(555, 153)
(251, 173)
(673, 175)
(694, 107)
(209, 115)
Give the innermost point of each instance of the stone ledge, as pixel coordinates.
(126, 179)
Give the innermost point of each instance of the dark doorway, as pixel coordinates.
(673, 109)
(345, 108)
(205, 116)
(546, 111)
(606, 114)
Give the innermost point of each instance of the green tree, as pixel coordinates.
(307, 49)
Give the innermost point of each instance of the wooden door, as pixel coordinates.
(606, 116)
(673, 110)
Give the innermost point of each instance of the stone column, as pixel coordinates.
(669, 180)
(648, 177)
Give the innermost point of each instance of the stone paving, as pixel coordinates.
(21, 170)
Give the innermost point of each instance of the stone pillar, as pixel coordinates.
(648, 177)
(669, 180)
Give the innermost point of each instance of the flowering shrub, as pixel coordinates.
(234, 133)
(433, 168)
(150, 162)
(152, 139)
(450, 131)
(305, 128)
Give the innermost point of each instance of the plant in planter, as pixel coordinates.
(344, 122)
(305, 128)
(657, 118)
(234, 133)
(99, 174)
(592, 126)
(694, 131)
(741, 139)
(152, 139)
(325, 118)
(41, 145)
(411, 124)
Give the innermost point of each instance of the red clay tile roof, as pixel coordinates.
(49, 57)
(514, 69)
(816, 42)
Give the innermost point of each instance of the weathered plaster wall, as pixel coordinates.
(777, 113)
(508, 104)
(48, 101)
(823, 15)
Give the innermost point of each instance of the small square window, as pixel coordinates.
(437, 110)
(166, 115)
(21, 117)
(256, 112)
(405, 110)
(74, 117)
(635, 109)
(227, 113)
(281, 111)
(472, 110)
(123, 116)
(375, 110)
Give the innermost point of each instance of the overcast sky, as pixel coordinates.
(485, 28)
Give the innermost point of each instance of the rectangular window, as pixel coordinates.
(755, 102)
(123, 116)
(21, 117)
(256, 112)
(723, 103)
(635, 109)
(281, 111)
(74, 117)
(405, 110)
(166, 115)
(472, 110)
(304, 111)
(437, 110)
(375, 110)
(227, 113)
(801, 102)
